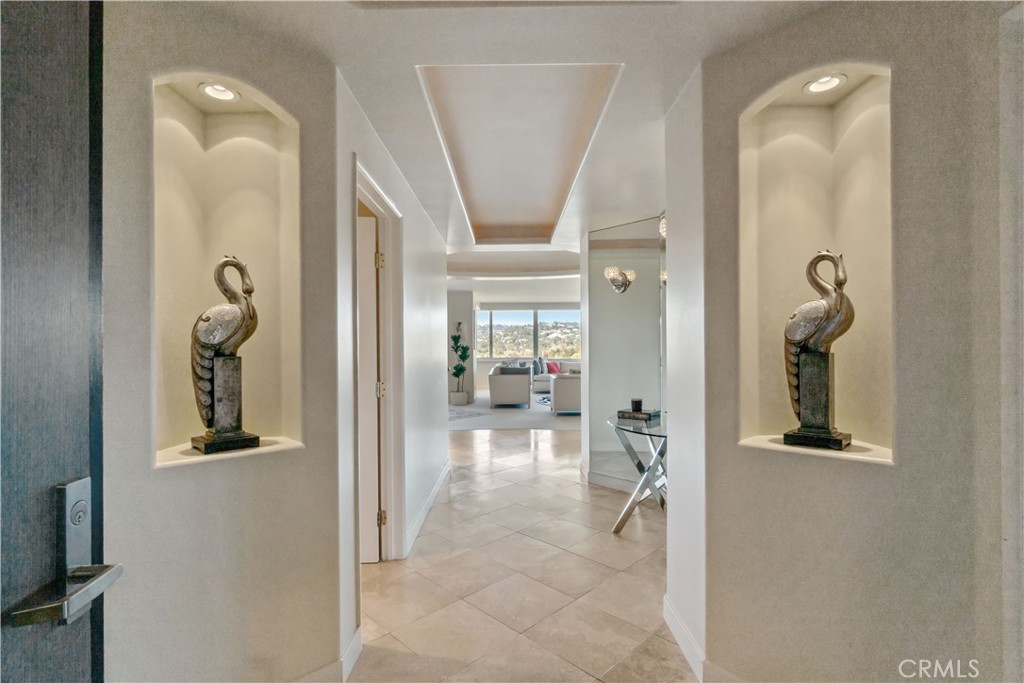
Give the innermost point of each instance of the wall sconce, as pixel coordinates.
(620, 279)
(663, 226)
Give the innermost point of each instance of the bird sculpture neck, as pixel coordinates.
(831, 292)
(226, 288)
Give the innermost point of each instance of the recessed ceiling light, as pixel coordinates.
(218, 92)
(825, 83)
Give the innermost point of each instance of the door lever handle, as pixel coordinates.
(78, 582)
(65, 600)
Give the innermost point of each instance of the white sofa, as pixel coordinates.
(542, 381)
(565, 392)
(509, 386)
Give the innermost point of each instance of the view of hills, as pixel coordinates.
(554, 340)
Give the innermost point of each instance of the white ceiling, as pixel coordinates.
(379, 45)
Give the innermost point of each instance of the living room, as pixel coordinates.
(523, 330)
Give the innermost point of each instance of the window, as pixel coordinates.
(528, 333)
(558, 334)
(483, 334)
(512, 334)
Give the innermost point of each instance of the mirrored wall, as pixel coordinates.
(625, 327)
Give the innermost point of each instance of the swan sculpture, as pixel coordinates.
(816, 324)
(220, 331)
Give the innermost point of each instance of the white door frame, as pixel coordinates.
(392, 471)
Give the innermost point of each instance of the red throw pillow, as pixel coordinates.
(553, 367)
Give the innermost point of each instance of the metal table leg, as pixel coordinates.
(650, 482)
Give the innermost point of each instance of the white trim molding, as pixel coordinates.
(414, 528)
(687, 643)
(351, 654)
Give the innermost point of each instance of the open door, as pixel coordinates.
(369, 382)
(51, 382)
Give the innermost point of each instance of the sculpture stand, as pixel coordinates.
(817, 405)
(227, 434)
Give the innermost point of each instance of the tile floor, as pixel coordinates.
(516, 577)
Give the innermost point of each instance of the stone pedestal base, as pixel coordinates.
(227, 434)
(218, 443)
(817, 405)
(837, 441)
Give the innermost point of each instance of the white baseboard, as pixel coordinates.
(351, 654)
(417, 525)
(687, 643)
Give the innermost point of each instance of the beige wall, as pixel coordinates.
(821, 569)
(231, 566)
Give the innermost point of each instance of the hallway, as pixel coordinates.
(515, 576)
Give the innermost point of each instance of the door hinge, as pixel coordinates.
(378, 260)
(382, 517)
(381, 389)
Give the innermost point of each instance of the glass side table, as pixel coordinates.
(653, 476)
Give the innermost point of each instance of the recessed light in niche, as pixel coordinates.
(825, 83)
(218, 92)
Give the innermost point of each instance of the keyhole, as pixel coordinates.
(79, 512)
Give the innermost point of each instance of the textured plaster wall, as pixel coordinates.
(820, 569)
(231, 567)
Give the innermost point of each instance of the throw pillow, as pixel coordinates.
(536, 366)
(575, 371)
(553, 367)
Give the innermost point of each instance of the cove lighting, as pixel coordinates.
(218, 92)
(825, 83)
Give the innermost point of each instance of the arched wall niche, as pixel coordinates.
(226, 182)
(815, 175)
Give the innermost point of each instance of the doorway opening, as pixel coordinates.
(377, 221)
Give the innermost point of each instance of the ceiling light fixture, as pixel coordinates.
(620, 279)
(825, 83)
(218, 92)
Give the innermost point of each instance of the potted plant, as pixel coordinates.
(459, 397)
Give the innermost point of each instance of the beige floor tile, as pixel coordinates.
(515, 475)
(369, 629)
(489, 467)
(455, 636)
(482, 503)
(651, 568)
(467, 573)
(593, 516)
(518, 601)
(568, 573)
(653, 661)
(559, 532)
(386, 660)
(516, 460)
(614, 500)
(474, 532)
(645, 530)
(587, 637)
(517, 551)
(431, 549)
(489, 483)
(550, 504)
(404, 600)
(516, 517)
(629, 598)
(617, 553)
(664, 632)
(443, 516)
(374, 574)
(521, 661)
